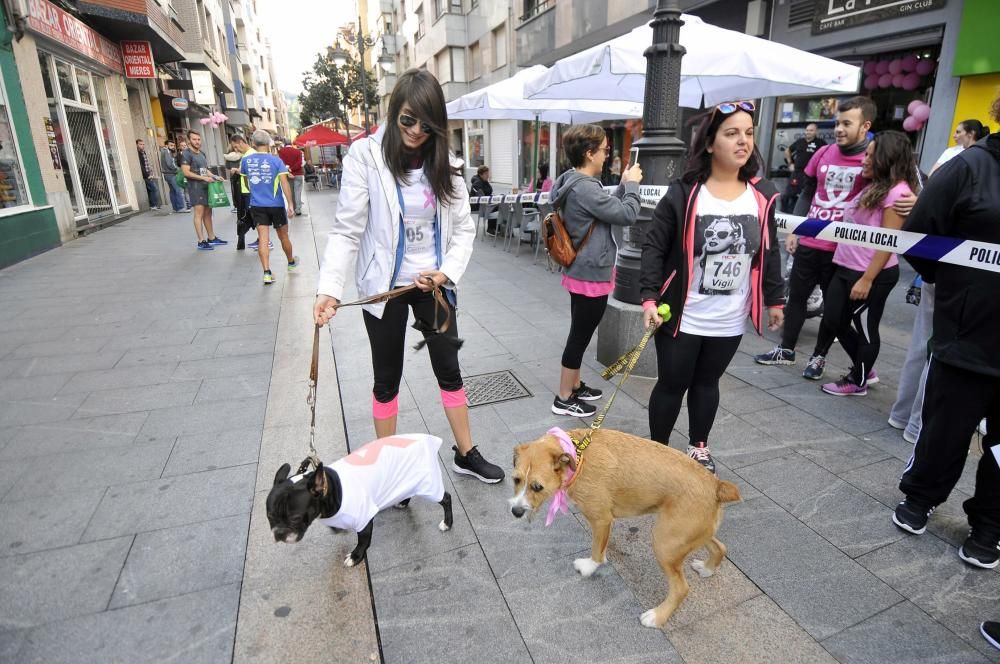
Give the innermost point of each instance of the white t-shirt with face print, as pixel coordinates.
(419, 205)
(726, 239)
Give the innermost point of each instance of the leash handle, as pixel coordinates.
(311, 400)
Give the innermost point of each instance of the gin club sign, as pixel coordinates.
(839, 14)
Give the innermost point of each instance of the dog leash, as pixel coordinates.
(623, 365)
(439, 302)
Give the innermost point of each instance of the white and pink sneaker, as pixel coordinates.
(845, 387)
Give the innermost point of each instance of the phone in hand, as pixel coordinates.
(633, 156)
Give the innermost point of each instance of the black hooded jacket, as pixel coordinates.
(962, 201)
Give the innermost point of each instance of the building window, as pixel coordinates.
(442, 7)
(499, 47)
(475, 154)
(457, 64)
(475, 61)
(421, 28)
(473, 4)
(13, 191)
(535, 7)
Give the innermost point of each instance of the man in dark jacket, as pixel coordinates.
(481, 187)
(961, 201)
(148, 176)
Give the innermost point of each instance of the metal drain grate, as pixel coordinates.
(495, 387)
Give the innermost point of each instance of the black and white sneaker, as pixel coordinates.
(980, 550)
(815, 368)
(474, 464)
(911, 516)
(991, 632)
(701, 454)
(587, 393)
(777, 356)
(572, 407)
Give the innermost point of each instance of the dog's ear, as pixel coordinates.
(565, 460)
(517, 451)
(319, 483)
(282, 473)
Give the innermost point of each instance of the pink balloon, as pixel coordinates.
(882, 67)
(911, 124)
(871, 81)
(911, 81)
(871, 65)
(912, 106)
(922, 113)
(909, 63)
(897, 80)
(925, 67)
(205, 121)
(896, 67)
(885, 80)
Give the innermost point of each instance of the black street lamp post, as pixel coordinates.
(661, 155)
(340, 58)
(661, 151)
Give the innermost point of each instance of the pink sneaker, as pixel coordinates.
(845, 388)
(872, 378)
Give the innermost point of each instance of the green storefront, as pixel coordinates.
(27, 223)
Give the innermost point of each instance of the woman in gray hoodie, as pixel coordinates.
(588, 213)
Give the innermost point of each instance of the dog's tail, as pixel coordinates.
(727, 492)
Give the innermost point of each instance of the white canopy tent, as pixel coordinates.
(720, 65)
(505, 101)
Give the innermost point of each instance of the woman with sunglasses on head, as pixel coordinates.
(588, 212)
(864, 277)
(711, 253)
(403, 219)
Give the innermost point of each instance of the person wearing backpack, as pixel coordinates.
(710, 253)
(588, 213)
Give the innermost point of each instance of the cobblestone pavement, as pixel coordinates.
(148, 393)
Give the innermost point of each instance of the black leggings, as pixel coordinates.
(692, 364)
(810, 267)
(387, 336)
(856, 321)
(585, 315)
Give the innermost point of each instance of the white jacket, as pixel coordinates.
(365, 231)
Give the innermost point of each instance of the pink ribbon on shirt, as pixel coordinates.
(560, 501)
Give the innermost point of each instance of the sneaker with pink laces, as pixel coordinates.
(845, 387)
(699, 452)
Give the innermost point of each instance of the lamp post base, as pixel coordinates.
(620, 330)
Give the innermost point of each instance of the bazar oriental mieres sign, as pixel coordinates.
(46, 19)
(833, 15)
(138, 57)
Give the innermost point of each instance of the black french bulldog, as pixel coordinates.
(292, 506)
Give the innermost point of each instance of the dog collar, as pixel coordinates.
(560, 500)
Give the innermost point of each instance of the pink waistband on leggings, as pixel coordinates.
(383, 411)
(453, 399)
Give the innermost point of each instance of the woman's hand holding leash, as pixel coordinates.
(428, 281)
(775, 318)
(324, 309)
(655, 316)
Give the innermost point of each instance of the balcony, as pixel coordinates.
(142, 20)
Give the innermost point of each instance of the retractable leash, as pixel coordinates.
(312, 458)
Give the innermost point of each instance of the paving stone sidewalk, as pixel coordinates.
(148, 393)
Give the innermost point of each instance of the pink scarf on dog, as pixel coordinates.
(560, 501)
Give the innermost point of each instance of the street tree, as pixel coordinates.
(330, 90)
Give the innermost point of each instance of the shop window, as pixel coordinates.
(83, 85)
(111, 142)
(59, 159)
(65, 75)
(475, 156)
(13, 192)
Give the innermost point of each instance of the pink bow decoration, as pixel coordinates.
(560, 500)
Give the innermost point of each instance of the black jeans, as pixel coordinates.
(585, 315)
(692, 364)
(856, 321)
(955, 400)
(387, 337)
(241, 202)
(810, 267)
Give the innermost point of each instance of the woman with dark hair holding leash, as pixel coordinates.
(711, 253)
(588, 212)
(403, 218)
(856, 296)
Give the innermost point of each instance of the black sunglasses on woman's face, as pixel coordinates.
(408, 121)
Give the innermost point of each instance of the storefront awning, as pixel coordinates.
(119, 24)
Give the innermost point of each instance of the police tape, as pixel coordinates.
(955, 251)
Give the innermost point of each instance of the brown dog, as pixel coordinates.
(621, 476)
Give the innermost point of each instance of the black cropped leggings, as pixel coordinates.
(387, 336)
(692, 364)
(585, 315)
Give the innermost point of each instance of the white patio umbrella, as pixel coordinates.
(720, 65)
(505, 101)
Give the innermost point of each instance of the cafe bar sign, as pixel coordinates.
(831, 15)
(46, 19)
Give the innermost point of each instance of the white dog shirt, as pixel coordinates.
(383, 473)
